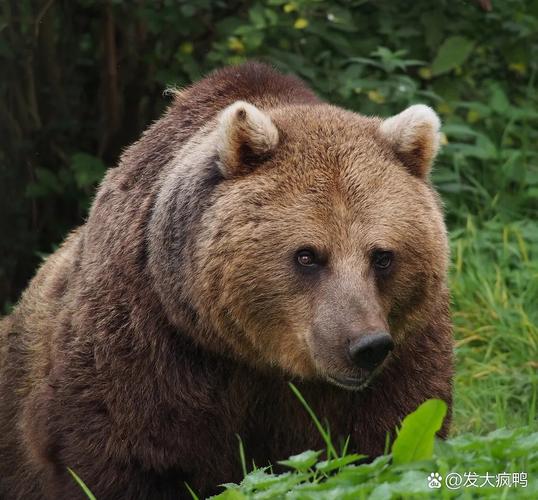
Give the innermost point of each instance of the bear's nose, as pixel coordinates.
(370, 350)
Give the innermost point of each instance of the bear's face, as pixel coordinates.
(322, 246)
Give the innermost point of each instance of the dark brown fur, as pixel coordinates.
(114, 363)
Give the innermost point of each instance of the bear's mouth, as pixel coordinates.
(351, 383)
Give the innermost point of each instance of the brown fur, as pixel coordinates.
(173, 319)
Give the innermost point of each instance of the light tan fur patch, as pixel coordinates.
(414, 134)
(244, 133)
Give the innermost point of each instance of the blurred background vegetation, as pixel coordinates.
(81, 79)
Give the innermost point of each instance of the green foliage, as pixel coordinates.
(303, 461)
(82, 79)
(404, 473)
(416, 436)
(495, 292)
(452, 53)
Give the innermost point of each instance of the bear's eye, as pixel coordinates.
(306, 258)
(383, 259)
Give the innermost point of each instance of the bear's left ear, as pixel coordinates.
(414, 136)
(245, 137)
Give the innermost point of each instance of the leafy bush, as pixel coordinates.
(502, 452)
(82, 79)
(470, 465)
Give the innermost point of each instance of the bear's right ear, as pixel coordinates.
(245, 136)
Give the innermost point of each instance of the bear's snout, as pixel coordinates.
(370, 350)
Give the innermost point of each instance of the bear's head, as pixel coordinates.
(306, 238)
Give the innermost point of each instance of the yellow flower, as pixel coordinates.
(290, 7)
(520, 68)
(473, 116)
(300, 24)
(376, 96)
(235, 44)
(425, 73)
(443, 139)
(186, 48)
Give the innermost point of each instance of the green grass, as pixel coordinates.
(82, 484)
(495, 304)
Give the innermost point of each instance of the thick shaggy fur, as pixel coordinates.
(173, 319)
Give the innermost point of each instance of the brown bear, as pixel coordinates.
(253, 236)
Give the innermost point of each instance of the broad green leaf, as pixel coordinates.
(459, 130)
(256, 16)
(417, 434)
(230, 495)
(303, 461)
(357, 472)
(88, 169)
(337, 463)
(410, 483)
(499, 101)
(260, 480)
(527, 443)
(453, 52)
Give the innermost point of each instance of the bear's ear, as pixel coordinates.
(414, 136)
(245, 137)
